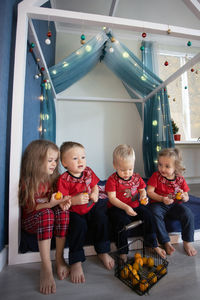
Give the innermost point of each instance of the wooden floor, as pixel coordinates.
(182, 281)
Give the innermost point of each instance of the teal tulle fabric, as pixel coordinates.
(138, 78)
(157, 120)
(47, 114)
(78, 64)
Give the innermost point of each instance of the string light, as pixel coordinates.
(125, 54)
(88, 48)
(154, 123)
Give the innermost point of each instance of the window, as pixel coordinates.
(184, 94)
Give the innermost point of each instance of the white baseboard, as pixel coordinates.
(31, 257)
(3, 258)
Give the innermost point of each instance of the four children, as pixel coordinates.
(44, 215)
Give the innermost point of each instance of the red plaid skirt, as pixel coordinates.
(46, 222)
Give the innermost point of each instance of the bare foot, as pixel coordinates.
(161, 252)
(123, 257)
(47, 282)
(62, 269)
(107, 260)
(189, 249)
(76, 273)
(169, 248)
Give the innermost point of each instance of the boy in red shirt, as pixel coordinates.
(80, 182)
(122, 188)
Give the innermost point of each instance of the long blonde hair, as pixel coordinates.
(176, 154)
(33, 173)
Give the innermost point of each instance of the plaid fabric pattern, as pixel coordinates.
(61, 224)
(44, 221)
(40, 222)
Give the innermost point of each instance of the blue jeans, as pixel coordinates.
(176, 211)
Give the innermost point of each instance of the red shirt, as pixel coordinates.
(71, 185)
(125, 189)
(166, 187)
(42, 196)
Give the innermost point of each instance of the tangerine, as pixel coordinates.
(132, 273)
(135, 279)
(139, 261)
(124, 273)
(153, 278)
(137, 255)
(150, 262)
(136, 266)
(178, 196)
(143, 285)
(161, 269)
(58, 195)
(144, 260)
(144, 201)
(130, 267)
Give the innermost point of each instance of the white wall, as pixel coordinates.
(99, 126)
(191, 157)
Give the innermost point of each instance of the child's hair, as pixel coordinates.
(33, 172)
(123, 152)
(176, 154)
(67, 146)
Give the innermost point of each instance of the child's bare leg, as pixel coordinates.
(47, 282)
(76, 273)
(61, 266)
(189, 249)
(169, 248)
(161, 252)
(107, 260)
(123, 257)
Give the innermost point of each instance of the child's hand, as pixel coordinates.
(80, 199)
(54, 199)
(66, 204)
(184, 197)
(94, 197)
(130, 211)
(167, 201)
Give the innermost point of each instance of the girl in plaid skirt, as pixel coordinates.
(41, 211)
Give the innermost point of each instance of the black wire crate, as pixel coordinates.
(143, 269)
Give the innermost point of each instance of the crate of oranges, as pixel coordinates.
(143, 269)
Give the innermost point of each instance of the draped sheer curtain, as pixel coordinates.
(157, 119)
(138, 79)
(78, 64)
(47, 114)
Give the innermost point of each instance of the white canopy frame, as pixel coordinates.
(30, 9)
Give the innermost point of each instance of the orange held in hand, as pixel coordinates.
(58, 195)
(144, 201)
(178, 196)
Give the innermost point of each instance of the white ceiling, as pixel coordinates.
(185, 13)
(182, 13)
